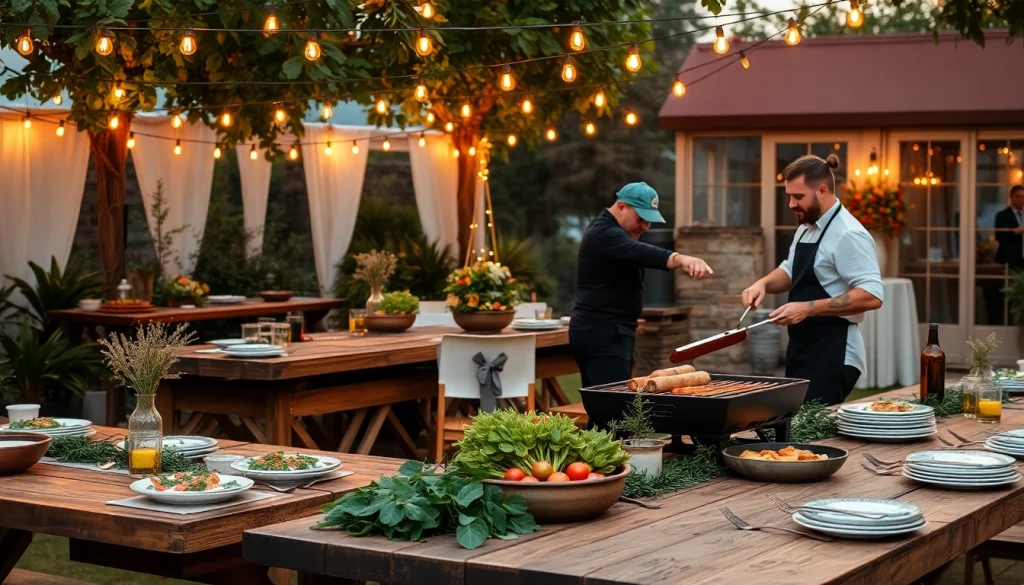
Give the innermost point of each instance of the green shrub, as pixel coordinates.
(43, 369)
(399, 303)
(54, 290)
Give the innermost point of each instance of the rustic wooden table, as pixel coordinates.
(687, 541)
(337, 372)
(205, 547)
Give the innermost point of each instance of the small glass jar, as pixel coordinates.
(970, 395)
(145, 437)
(990, 401)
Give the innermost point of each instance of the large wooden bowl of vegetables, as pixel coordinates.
(565, 474)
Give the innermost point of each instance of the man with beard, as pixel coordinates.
(832, 277)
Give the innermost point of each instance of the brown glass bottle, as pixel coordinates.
(933, 366)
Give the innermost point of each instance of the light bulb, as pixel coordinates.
(527, 106)
(355, 147)
(424, 44)
(633, 62)
(744, 61)
(312, 50)
(569, 72)
(253, 155)
(326, 112)
(60, 128)
(381, 106)
(387, 145)
(466, 110)
(508, 81)
(327, 149)
(225, 119)
(271, 25)
(216, 153)
(104, 43)
(188, 44)
(792, 33)
(421, 94)
(176, 121)
(855, 17)
(57, 99)
(455, 153)
(27, 121)
(631, 119)
(577, 40)
(431, 118)
(113, 122)
(280, 116)
(131, 140)
(423, 140)
(551, 135)
(512, 140)
(177, 147)
(118, 91)
(24, 43)
(600, 100)
(427, 10)
(449, 127)
(721, 44)
(293, 154)
(678, 88)
(590, 129)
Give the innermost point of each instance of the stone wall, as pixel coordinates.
(661, 330)
(736, 254)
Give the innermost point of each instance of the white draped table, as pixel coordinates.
(891, 338)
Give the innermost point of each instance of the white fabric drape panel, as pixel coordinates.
(41, 185)
(186, 178)
(334, 183)
(891, 338)
(255, 176)
(435, 180)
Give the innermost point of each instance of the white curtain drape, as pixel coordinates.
(42, 178)
(334, 183)
(186, 180)
(255, 176)
(435, 180)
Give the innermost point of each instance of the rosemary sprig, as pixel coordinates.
(813, 422)
(676, 474)
(85, 450)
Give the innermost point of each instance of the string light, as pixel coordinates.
(744, 61)
(27, 121)
(188, 44)
(569, 72)
(24, 43)
(424, 44)
(678, 88)
(382, 106)
(327, 148)
(431, 118)
(104, 43)
(176, 121)
(466, 110)
(633, 62)
(177, 147)
(113, 122)
(631, 119)
(421, 94)
(527, 106)
(792, 33)
(57, 99)
(721, 44)
(590, 129)
(225, 119)
(472, 151)
(855, 17)
(216, 153)
(512, 140)
(387, 145)
(449, 127)
(423, 140)
(355, 147)
(280, 116)
(600, 100)
(508, 81)
(312, 50)
(577, 40)
(455, 153)
(551, 135)
(60, 128)
(293, 154)
(118, 91)
(271, 25)
(253, 155)
(427, 10)
(131, 140)
(326, 111)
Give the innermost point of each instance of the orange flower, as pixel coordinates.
(473, 300)
(497, 306)
(183, 281)
(464, 280)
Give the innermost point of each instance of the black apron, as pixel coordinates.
(817, 345)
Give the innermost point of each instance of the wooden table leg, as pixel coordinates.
(13, 544)
(279, 415)
(370, 436)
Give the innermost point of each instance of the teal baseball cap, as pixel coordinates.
(644, 199)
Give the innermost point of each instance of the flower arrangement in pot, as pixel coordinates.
(396, 313)
(483, 297)
(182, 290)
(645, 451)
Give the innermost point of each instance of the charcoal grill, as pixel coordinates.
(771, 406)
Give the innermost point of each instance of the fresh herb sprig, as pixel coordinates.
(421, 502)
(636, 420)
(85, 450)
(813, 422)
(676, 474)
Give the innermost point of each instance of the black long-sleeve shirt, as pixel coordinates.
(609, 273)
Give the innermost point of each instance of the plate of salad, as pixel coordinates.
(285, 466)
(48, 425)
(191, 488)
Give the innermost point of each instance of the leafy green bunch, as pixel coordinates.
(399, 303)
(85, 450)
(814, 421)
(500, 440)
(485, 286)
(420, 502)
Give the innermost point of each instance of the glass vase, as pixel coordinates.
(145, 437)
(990, 401)
(373, 303)
(970, 394)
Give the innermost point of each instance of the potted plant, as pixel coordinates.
(644, 450)
(375, 268)
(981, 371)
(482, 297)
(396, 313)
(182, 290)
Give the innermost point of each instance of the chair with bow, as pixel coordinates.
(484, 368)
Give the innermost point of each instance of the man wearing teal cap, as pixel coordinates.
(609, 283)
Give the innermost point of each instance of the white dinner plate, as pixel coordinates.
(959, 459)
(865, 408)
(896, 512)
(69, 425)
(1002, 474)
(324, 465)
(857, 533)
(966, 485)
(886, 438)
(886, 418)
(218, 494)
(912, 524)
(266, 353)
(1009, 444)
(225, 299)
(227, 342)
(999, 448)
(887, 422)
(256, 347)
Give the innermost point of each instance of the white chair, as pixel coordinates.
(529, 310)
(456, 377)
(434, 319)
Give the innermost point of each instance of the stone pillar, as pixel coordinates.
(736, 254)
(661, 330)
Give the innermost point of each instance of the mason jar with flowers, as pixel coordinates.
(182, 290)
(483, 297)
(879, 207)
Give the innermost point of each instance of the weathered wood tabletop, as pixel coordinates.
(315, 308)
(687, 541)
(71, 502)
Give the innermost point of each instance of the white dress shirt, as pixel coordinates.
(845, 260)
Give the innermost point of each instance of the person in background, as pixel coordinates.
(609, 284)
(1009, 251)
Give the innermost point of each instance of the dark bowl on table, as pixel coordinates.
(784, 471)
(571, 501)
(389, 323)
(277, 296)
(18, 459)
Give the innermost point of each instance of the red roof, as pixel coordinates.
(854, 82)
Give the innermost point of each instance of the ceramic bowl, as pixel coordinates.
(276, 296)
(20, 412)
(484, 321)
(572, 501)
(784, 471)
(19, 451)
(389, 323)
(89, 304)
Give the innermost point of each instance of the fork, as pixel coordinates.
(744, 525)
(965, 440)
(288, 490)
(880, 463)
(790, 509)
(957, 445)
(883, 472)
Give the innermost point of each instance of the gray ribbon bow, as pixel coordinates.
(490, 382)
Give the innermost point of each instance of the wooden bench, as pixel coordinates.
(22, 577)
(1007, 545)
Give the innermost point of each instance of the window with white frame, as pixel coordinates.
(727, 180)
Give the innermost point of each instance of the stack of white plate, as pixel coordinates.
(1007, 442)
(225, 299)
(961, 470)
(69, 427)
(222, 343)
(897, 517)
(1010, 381)
(860, 422)
(254, 350)
(324, 466)
(536, 324)
(190, 447)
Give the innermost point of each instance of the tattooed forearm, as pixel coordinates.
(840, 302)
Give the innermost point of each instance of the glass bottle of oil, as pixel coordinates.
(933, 367)
(145, 437)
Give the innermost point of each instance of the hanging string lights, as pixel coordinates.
(551, 135)
(633, 61)
(271, 24)
(381, 106)
(280, 116)
(57, 99)
(327, 149)
(326, 112)
(216, 153)
(590, 129)
(792, 33)
(105, 43)
(355, 147)
(176, 121)
(421, 93)
(599, 99)
(60, 128)
(431, 118)
(508, 81)
(253, 155)
(527, 105)
(118, 91)
(24, 44)
(427, 9)
(424, 44)
(631, 119)
(449, 127)
(569, 72)
(226, 120)
(27, 121)
(177, 147)
(466, 110)
(678, 88)
(312, 51)
(721, 44)
(386, 146)
(744, 61)
(113, 122)
(131, 140)
(188, 44)
(423, 139)
(577, 40)
(293, 154)
(512, 140)
(855, 17)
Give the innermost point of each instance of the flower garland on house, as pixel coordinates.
(485, 286)
(877, 205)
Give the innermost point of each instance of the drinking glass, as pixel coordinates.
(281, 334)
(541, 314)
(297, 321)
(990, 401)
(357, 321)
(251, 332)
(266, 327)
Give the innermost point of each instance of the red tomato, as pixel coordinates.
(558, 477)
(577, 471)
(514, 474)
(541, 470)
(530, 479)
(593, 475)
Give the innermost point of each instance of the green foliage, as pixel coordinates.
(162, 237)
(952, 402)
(980, 351)
(6, 390)
(45, 368)
(420, 502)
(55, 290)
(676, 474)
(399, 303)
(500, 440)
(522, 258)
(85, 450)
(813, 422)
(636, 420)
(484, 286)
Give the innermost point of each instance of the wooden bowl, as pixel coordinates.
(784, 471)
(276, 296)
(16, 459)
(389, 323)
(484, 321)
(572, 501)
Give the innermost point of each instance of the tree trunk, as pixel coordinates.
(109, 150)
(463, 141)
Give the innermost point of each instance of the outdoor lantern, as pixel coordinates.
(633, 62)
(721, 43)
